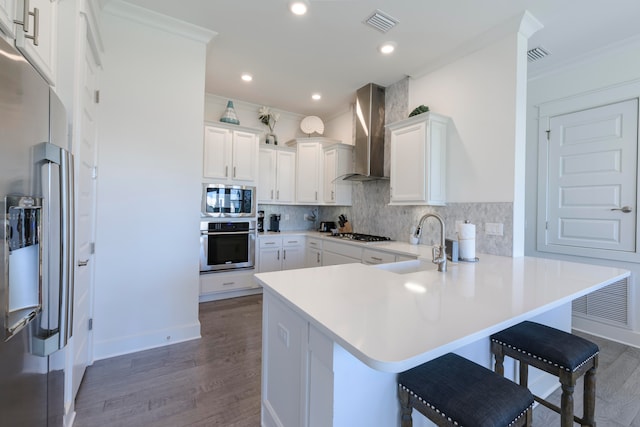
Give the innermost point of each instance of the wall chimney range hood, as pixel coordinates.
(369, 146)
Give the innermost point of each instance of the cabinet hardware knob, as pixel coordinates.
(226, 171)
(278, 257)
(228, 283)
(83, 263)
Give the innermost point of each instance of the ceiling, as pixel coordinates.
(331, 51)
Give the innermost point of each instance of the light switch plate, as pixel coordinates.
(494, 229)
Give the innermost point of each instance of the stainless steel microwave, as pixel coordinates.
(221, 200)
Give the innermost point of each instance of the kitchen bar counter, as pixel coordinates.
(376, 314)
(353, 326)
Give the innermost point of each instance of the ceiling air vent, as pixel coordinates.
(381, 21)
(537, 53)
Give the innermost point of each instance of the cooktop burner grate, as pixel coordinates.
(362, 237)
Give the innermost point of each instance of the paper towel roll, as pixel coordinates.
(467, 241)
(467, 231)
(467, 248)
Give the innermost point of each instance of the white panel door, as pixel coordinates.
(286, 177)
(86, 160)
(592, 163)
(266, 175)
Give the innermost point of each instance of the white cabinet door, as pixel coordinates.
(337, 162)
(269, 254)
(267, 159)
(293, 252)
(217, 153)
(418, 160)
(230, 155)
(314, 253)
(270, 259)
(245, 156)
(313, 257)
(308, 179)
(286, 177)
(7, 14)
(38, 44)
(293, 257)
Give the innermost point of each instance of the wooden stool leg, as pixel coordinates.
(590, 398)
(405, 408)
(566, 405)
(524, 374)
(496, 349)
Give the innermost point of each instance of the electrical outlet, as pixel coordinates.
(494, 229)
(286, 217)
(283, 334)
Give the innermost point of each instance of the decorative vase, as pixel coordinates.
(271, 138)
(229, 115)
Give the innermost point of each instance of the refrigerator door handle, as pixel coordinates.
(67, 239)
(64, 159)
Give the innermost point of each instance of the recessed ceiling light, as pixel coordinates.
(316, 97)
(387, 47)
(247, 77)
(298, 7)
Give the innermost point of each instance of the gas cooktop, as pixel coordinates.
(358, 237)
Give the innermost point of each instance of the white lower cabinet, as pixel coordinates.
(220, 283)
(297, 374)
(372, 256)
(280, 253)
(308, 380)
(334, 253)
(314, 253)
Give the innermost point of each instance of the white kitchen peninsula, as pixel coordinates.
(334, 337)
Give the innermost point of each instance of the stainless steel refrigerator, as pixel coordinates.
(36, 246)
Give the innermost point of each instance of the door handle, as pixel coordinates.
(83, 263)
(624, 209)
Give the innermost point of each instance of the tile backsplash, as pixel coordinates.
(371, 214)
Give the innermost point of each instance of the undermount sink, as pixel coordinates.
(406, 267)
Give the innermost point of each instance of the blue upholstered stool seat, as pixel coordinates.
(549, 345)
(455, 391)
(557, 352)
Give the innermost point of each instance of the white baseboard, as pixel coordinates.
(609, 332)
(152, 339)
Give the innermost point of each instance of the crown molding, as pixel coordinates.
(159, 21)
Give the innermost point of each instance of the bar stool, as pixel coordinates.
(559, 353)
(453, 391)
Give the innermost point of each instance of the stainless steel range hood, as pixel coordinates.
(369, 151)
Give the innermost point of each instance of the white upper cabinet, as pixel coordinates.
(319, 162)
(7, 14)
(230, 155)
(276, 176)
(338, 162)
(36, 34)
(308, 182)
(418, 160)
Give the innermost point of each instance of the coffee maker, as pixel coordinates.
(274, 222)
(260, 221)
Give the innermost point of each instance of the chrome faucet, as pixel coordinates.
(438, 252)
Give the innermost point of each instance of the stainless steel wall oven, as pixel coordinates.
(227, 245)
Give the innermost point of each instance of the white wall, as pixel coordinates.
(149, 177)
(479, 93)
(341, 126)
(613, 67)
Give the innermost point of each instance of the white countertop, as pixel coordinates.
(393, 322)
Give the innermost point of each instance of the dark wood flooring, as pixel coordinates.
(215, 381)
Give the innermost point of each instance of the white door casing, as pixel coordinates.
(588, 181)
(86, 214)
